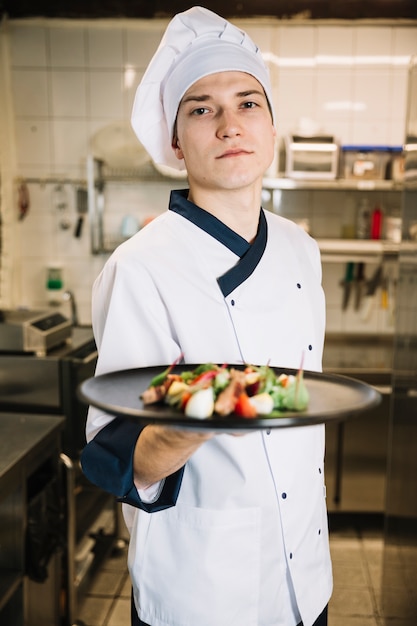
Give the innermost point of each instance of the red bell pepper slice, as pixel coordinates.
(244, 408)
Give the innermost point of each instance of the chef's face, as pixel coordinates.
(224, 131)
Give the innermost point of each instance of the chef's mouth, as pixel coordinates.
(233, 153)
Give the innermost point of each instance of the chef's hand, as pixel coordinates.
(162, 450)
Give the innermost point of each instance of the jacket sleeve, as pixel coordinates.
(107, 461)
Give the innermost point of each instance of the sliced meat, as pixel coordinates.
(226, 401)
(157, 393)
(154, 394)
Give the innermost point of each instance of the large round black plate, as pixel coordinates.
(332, 398)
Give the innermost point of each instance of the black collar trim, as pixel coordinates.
(250, 254)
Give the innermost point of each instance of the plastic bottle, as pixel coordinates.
(54, 284)
(376, 223)
(349, 220)
(363, 220)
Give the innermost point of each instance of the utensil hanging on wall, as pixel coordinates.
(82, 208)
(23, 201)
(60, 203)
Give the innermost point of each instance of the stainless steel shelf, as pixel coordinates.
(332, 185)
(358, 250)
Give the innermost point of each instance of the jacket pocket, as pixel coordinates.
(197, 566)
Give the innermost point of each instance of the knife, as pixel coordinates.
(359, 283)
(347, 284)
(372, 286)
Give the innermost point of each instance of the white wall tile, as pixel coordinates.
(341, 129)
(33, 142)
(372, 131)
(372, 88)
(296, 99)
(33, 278)
(296, 44)
(333, 320)
(69, 142)
(397, 129)
(334, 99)
(67, 46)
(38, 234)
(333, 274)
(129, 92)
(373, 46)
(404, 41)
(105, 47)
(335, 41)
(288, 203)
(372, 91)
(69, 93)
(28, 45)
(106, 94)
(30, 92)
(328, 209)
(142, 42)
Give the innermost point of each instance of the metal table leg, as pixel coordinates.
(339, 461)
(70, 592)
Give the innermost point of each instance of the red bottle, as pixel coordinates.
(376, 223)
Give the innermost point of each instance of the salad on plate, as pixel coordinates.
(217, 389)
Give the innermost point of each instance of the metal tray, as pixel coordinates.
(332, 398)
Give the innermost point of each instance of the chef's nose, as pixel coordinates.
(228, 125)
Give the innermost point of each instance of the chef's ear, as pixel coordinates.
(177, 148)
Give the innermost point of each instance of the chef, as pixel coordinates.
(225, 530)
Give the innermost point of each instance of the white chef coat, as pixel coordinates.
(247, 542)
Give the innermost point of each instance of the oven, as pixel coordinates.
(45, 382)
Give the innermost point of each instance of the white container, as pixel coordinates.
(393, 226)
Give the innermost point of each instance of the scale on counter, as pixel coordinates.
(23, 330)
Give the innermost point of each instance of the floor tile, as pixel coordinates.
(353, 621)
(351, 602)
(350, 575)
(107, 583)
(126, 590)
(94, 611)
(120, 613)
(117, 560)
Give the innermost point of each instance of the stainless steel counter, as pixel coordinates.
(29, 382)
(46, 385)
(29, 478)
(357, 450)
(20, 438)
(367, 358)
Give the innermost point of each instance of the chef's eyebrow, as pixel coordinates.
(204, 97)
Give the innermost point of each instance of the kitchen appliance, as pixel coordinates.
(46, 383)
(315, 157)
(367, 162)
(23, 330)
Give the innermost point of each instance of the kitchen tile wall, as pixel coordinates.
(62, 81)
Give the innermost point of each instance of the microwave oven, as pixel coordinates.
(311, 157)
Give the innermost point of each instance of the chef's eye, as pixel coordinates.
(199, 111)
(249, 105)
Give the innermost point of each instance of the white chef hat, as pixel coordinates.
(196, 43)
